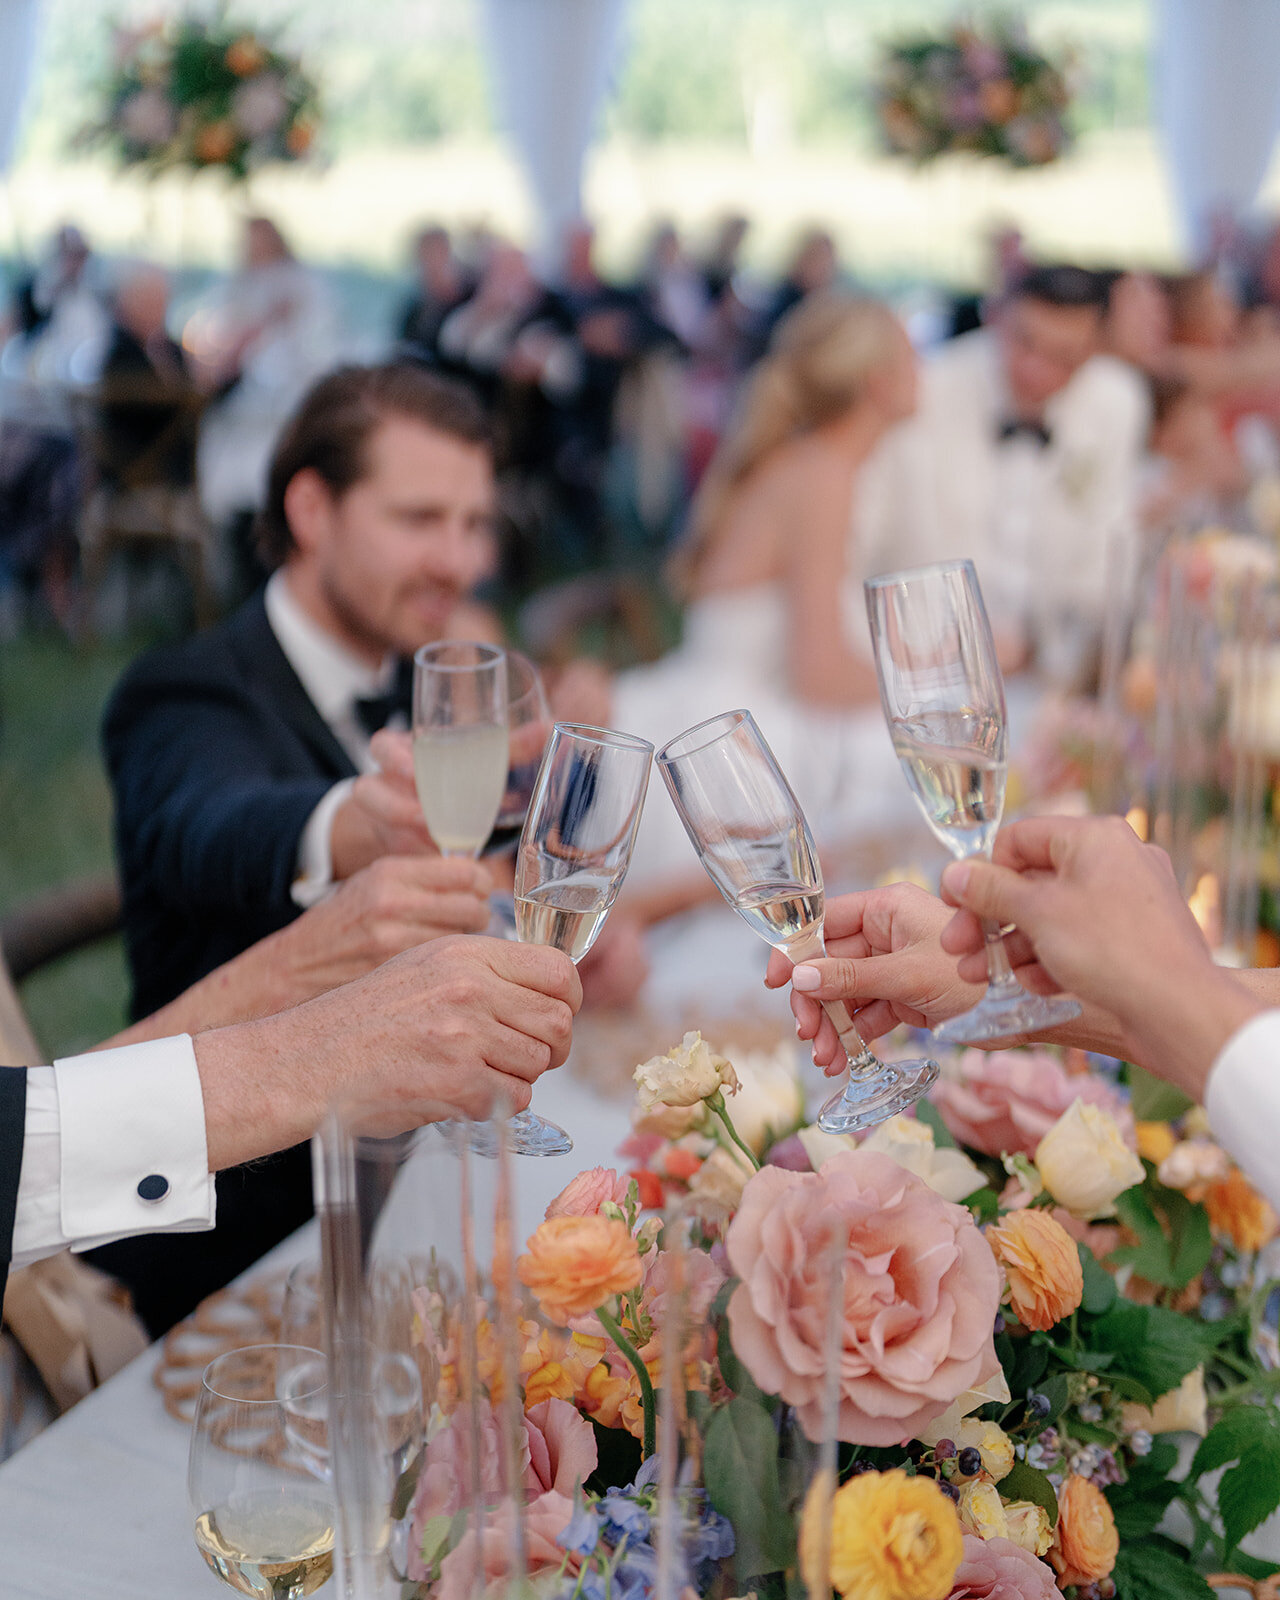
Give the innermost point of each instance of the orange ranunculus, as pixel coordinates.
(576, 1264)
(1237, 1210)
(1042, 1265)
(893, 1538)
(999, 100)
(245, 56)
(300, 138)
(215, 142)
(1085, 1544)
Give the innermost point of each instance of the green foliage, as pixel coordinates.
(1099, 1286)
(1157, 1569)
(740, 1470)
(1174, 1243)
(1142, 1500)
(1029, 1483)
(1249, 1491)
(1157, 1348)
(1152, 1099)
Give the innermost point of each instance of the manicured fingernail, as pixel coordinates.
(955, 879)
(806, 979)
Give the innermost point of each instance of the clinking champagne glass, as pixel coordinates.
(529, 727)
(461, 743)
(573, 855)
(264, 1516)
(943, 697)
(751, 836)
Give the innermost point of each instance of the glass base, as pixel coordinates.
(1003, 1013)
(532, 1135)
(864, 1102)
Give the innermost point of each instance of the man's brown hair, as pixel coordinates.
(329, 433)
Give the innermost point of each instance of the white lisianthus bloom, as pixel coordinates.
(820, 1146)
(770, 1099)
(1182, 1410)
(909, 1142)
(721, 1179)
(1085, 1162)
(685, 1075)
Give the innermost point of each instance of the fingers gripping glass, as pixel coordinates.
(753, 840)
(943, 698)
(573, 856)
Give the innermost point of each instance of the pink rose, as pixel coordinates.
(921, 1291)
(469, 1572)
(584, 1196)
(562, 1448)
(998, 1569)
(703, 1278)
(1006, 1101)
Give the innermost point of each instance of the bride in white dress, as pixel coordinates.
(771, 576)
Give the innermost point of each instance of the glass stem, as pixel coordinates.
(1000, 976)
(863, 1063)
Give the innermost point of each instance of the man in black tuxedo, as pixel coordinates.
(240, 761)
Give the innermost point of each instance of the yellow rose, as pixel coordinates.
(952, 1419)
(991, 1442)
(909, 1142)
(893, 1538)
(1085, 1163)
(685, 1075)
(982, 1510)
(1181, 1410)
(1155, 1141)
(1029, 1526)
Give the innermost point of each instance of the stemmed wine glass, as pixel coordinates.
(751, 836)
(529, 726)
(943, 698)
(256, 1480)
(573, 855)
(461, 742)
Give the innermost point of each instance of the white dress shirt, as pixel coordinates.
(1051, 527)
(334, 679)
(1242, 1098)
(114, 1144)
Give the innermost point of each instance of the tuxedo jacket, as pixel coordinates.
(217, 757)
(13, 1110)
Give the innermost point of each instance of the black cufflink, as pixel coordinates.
(153, 1188)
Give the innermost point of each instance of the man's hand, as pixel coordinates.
(382, 816)
(444, 1030)
(886, 962)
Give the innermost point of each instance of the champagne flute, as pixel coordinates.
(573, 855)
(529, 726)
(751, 836)
(461, 744)
(943, 698)
(264, 1514)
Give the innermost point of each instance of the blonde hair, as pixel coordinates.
(816, 368)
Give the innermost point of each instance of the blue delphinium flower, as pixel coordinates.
(582, 1533)
(624, 1518)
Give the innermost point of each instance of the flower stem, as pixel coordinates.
(610, 1325)
(716, 1103)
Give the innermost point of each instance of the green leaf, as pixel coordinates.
(434, 1540)
(1237, 1433)
(1155, 1346)
(732, 1370)
(1099, 1285)
(740, 1470)
(1151, 1571)
(1154, 1100)
(406, 1487)
(1029, 1483)
(929, 1114)
(1058, 1391)
(1143, 1498)
(984, 1203)
(1247, 1495)
(1252, 1567)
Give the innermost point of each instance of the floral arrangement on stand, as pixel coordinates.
(1005, 1348)
(988, 91)
(205, 95)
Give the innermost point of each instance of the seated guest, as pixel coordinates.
(147, 405)
(106, 1146)
(1195, 470)
(240, 762)
(442, 285)
(1024, 456)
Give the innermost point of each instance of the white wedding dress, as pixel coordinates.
(734, 655)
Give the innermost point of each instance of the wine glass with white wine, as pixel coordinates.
(751, 836)
(943, 696)
(461, 742)
(263, 1508)
(573, 855)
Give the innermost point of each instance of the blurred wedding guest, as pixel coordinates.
(1025, 456)
(814, 267)
(268, 334)
(770, 574)
(1009, 264)
(674, 289)
(124, 1141)
(722, 261)
(147, 407)
(476, 340)
(442, 284)
(1138, 327)
(1195, 470)
(240, 760)
(61, 312)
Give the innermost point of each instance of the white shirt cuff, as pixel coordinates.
(314, 872)
(1242, 1098)
(114, 1145)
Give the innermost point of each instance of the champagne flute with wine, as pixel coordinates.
(461, 741)
(264, 1511)
(572, 858)
(752, 838)
(943, 696)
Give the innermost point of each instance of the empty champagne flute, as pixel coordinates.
(256, 1480)
(943, 698)
(528, 727)
(751, 836)
(461, 742)
(573, 856)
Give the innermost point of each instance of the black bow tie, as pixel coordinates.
(1012, 427)
(374, 711)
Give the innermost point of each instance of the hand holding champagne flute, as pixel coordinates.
(751, 836)
(573, 856)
